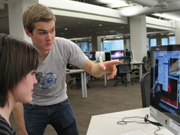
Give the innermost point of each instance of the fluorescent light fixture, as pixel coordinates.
(118, 4)
(108, 1)
(131, 11)
(167, 16)
(114, 3)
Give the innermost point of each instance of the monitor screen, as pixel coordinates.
(107, 56)
(117, 54)
(100, 56)
(92, 55)
(165, 86)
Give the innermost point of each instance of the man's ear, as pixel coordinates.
(27, 32)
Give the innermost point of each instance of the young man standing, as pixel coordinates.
(50, 103)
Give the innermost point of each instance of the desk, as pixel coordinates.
(106, 124)
(83, 80)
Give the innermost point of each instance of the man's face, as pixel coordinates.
(43, 36)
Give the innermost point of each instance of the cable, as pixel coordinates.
(157, 131)
(144, 120)
(154, 123)
(123, 122)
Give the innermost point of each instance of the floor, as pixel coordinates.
(100, 100)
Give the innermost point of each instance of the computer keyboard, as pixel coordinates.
(136, 132)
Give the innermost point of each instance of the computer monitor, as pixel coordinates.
(107, 56)
(87, 54)
(165, 86)
(117, 54)
(100, 56)
(92, 55)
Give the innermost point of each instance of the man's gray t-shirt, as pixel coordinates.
(51, 88)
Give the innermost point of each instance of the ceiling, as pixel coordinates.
(69, 27)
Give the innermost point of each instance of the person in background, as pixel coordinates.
(128, 53)
(19, 60)
(50, 103)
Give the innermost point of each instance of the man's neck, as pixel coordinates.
(43, 55)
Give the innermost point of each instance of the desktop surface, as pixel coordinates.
(106, 124)
(135, 132)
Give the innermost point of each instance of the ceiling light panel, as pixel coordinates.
(114, 3)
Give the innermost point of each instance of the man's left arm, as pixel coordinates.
(98, 69)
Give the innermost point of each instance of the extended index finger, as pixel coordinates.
(115, 62)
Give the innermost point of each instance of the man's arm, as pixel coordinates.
(18, 113)
(98, 69)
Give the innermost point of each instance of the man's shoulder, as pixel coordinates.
(61, 39)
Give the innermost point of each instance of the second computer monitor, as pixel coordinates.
(100, 56)
(92, 55)
(117, 54)
(107, 56)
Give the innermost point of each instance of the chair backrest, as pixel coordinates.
(125, 59)
(145, 61)
(145, 89)
(124, 68)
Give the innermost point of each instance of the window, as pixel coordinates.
(90, 46)
(85, 46)
(172, 40)
(113, 45)
(164, 41)
(147, 44)
(153, 42)
(128, 44)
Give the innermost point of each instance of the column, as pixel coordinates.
(99, 44)
(94, 42)
(138, 37)
(177, 32)
(15, 10)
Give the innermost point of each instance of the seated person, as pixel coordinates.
(127, 53)
(19, 60)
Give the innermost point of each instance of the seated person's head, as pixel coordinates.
(18, 60)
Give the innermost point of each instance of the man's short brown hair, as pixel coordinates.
(36, 13)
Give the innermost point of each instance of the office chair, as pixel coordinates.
(145, 89)
(117, 74)
(146, 62)
(77, 76)
(125, 59)
(122, 71)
